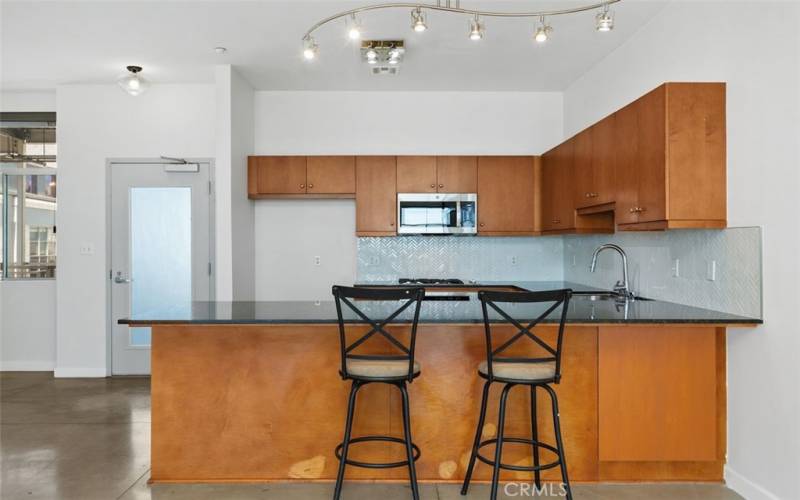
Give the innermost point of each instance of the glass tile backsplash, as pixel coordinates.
(713, 269)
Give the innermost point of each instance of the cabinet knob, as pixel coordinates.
(310, 186)
(302, 186)
(642, 209)
(632, 210)
(556, 221)
(441, 185)
(481, 224)
(587, 195)
(433, 185)
(391, 223)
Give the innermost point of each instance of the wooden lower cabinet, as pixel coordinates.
(506, 196)
(376, 196)
(637, 403)
(661, 395)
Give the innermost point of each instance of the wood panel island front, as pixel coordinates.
(250, 391)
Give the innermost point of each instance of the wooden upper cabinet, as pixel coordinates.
(416, 174)
(376, 195)
(603, 157)
(331, 175)
(506, 195)
(557, 206)
(280, 174)
(680, 159)
(582, 172)
(627, 164)
(457, 174)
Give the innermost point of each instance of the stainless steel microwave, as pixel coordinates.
(437, 213)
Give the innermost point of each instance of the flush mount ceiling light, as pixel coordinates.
(604, 20)
(132, 82)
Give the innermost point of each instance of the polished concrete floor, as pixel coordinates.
(89, 439)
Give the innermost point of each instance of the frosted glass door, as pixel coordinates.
(160, 253)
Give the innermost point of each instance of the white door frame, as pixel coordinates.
(110, 162)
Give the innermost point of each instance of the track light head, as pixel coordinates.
(604, 20)
(543, 31)
(476, 29)
(353, 28)
(418, 20)
(310, 48)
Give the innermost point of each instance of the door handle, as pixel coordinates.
(119, 279)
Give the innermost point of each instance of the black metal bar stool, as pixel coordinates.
(511, 371)
(363, 369)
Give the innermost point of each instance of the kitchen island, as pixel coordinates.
(249, 391)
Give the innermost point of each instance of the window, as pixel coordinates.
(28, 185)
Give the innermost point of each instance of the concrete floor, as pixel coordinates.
(89, 439)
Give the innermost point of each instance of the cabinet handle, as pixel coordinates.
(556, 221)
(641, 209)
(594, 195)
(633, 210)
(302, 186)
(433, 186)
(391, 223)
(310, 186)
(587, 195)
(441, 186)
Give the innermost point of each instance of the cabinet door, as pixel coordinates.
(582, 169)
(457, 174)
(565, 202)
(331, 175)
(627, 167)
(376, 195)
(603, 184)
(651, 156)
(506, 187)
(416, 174)
(549, 190)
(281, 175)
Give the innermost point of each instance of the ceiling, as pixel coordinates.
(44, 44)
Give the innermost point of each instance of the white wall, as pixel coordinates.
(28, 308)
(95, 123)
(233, 210)
(754, 47)
(373, 123)
(28, 325)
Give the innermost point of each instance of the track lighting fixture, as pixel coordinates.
(354, 28)
(604, 20)
(132, 82)
(476, 28)
(310, 48)
(418, 20)
(542, 31)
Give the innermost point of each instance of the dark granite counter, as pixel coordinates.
(581, 310)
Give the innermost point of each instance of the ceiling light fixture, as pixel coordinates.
(310, 48)
(132, 82)
(604, 19)
(476, 28)
(543, 31)
(354, 28)
(382, 55)
(418, 20)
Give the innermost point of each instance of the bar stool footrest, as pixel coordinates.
(373, 465)
(520, 468)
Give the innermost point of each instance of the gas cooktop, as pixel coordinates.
(430, 281)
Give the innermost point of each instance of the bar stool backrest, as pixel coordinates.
(412, 297)
(555, 299)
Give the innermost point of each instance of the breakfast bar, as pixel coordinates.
(249, 391)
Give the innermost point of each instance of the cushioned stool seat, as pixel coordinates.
(520, 371)
(380, 368)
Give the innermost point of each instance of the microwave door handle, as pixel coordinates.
(458, 213)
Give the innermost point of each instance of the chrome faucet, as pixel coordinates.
(622, 288)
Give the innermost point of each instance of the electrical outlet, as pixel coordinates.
(676, 268)
(317, 260)
(374, 260)
(87, 249)
(711, 270)
(512, 260)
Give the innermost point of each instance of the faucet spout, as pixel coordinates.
(622, 287)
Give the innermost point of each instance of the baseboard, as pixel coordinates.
(27, 366)
(746, 487)
(79, 372)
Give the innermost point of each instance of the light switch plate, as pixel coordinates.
(711, 270)
(676, 268)
(87, 249)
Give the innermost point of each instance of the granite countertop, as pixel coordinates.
(580, 310)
